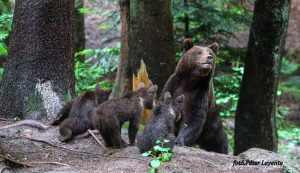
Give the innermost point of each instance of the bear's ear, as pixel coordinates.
(214, 47)
(167, 96)
(97, 88)
(180, 98)
(141, 85)
(188, 43)
(152, 89)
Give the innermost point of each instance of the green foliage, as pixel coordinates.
(159, 154)
(1, 72)
(281, 113)
(288, 66)
(210, 20)
(5, 27)
(5, 6)
(230, 136)
(289, 83)
(94, 69)
(290, 138)
(227, 91)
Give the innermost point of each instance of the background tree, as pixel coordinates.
(124, 74)
(255, 117)
(79, 28)
(39, 71)
(151, 39)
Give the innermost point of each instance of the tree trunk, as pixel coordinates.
(79, 29)
(255, 117)
(124, 74)
(39, 71)
(151, 39)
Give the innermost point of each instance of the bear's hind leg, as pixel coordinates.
(116, 139)
(213, 138)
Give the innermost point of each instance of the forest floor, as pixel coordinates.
(42, 150)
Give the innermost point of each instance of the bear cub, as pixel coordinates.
(162, 123)
(109, 117)
(75, 117)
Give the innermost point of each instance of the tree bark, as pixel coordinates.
(255, 116)
(124, 74)
(151, 39)
(39, 71)
(79, 28)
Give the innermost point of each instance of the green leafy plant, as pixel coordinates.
(220, 19)
(159, 154)
(5, 28)
(288, 66)
(227, 91)
(94, 68)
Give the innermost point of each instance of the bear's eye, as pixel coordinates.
(199, 53)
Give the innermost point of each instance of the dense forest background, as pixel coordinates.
(99, 35)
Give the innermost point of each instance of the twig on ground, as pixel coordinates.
(62, 147)
(86, 134)
(96, 139)
(3, 167)
(3, 119)
(14, 161)
(52, 163)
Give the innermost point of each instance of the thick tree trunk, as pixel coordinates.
(255, 116)
(124, 74)
(39, 71)
(151, 39)
(79, 28)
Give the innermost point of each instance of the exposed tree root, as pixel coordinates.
(52, 163)
(31, 123)
(13, 161)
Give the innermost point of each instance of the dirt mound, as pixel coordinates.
(43, 151)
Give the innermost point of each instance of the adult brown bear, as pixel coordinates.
(200, 122)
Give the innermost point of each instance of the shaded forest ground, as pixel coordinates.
(85, 155)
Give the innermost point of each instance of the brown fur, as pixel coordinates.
(75, 116)
(109, 117)
(161, 124)
(193, 78)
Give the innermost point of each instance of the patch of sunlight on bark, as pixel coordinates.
(51, 102)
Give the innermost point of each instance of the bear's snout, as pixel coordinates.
(210, 59)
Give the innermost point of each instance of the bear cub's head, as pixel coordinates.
(172, 106)
(147, 96)
(197, 61)
(101, 95)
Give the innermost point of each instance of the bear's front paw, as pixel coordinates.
(179, 143)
